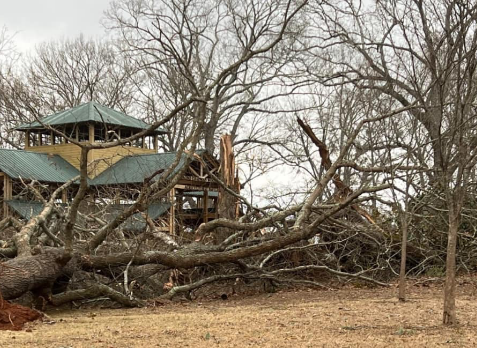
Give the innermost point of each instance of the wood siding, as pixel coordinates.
(98, 159)
(70, 152)
(101, 159)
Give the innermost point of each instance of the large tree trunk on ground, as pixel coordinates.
(31, 273)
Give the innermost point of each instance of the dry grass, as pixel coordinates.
(348, 317)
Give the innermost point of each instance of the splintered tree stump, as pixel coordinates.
(14, 317)
(228, 207)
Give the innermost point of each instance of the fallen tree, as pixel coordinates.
(242, 248)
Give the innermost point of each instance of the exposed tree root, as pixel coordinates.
(14, 317)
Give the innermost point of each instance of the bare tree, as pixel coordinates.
(414, 53)
(183, 47)
(64, 74)
(265, 229)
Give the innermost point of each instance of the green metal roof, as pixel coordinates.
(134, 169)
(89, 112)
(53, 168)
(26, 209)
(137, 222)
(36, 166)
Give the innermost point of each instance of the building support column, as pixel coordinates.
(27, 139)
(155, 142)
(64, 196)
(206, 205)
(7, 194)
(91, 133)
(172, 212)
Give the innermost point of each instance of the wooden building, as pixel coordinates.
(115, 175)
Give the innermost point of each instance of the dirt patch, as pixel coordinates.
(14, 317)
(348, 317)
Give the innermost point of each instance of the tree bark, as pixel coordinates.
(31, 273)
(402, 272)
(95, 291)
(449, 317)
(228, 203)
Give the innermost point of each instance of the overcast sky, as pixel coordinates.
(35, 21)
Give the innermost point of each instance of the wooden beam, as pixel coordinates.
(172, 213)
(7, 194)
(195, 173)
(199, 183)
(27, 139)
(64, 196)
(206, 205)
(91, 133)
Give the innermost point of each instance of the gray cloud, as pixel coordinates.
(35, 21)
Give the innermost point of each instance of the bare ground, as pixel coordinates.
(349, 317)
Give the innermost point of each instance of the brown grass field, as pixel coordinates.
(348, 317)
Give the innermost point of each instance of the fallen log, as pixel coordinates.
(95, 291)
(31, 273)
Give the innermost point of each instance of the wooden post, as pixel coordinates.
(64, 196)
(91, 133)
(216, 207)
(27, 139)
(63, 139)
(155, 142)
(7, 194)
(172, 214)
(206, 205)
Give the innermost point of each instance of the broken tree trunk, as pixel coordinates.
(342, 189)
(228, 205)
(31, 273)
